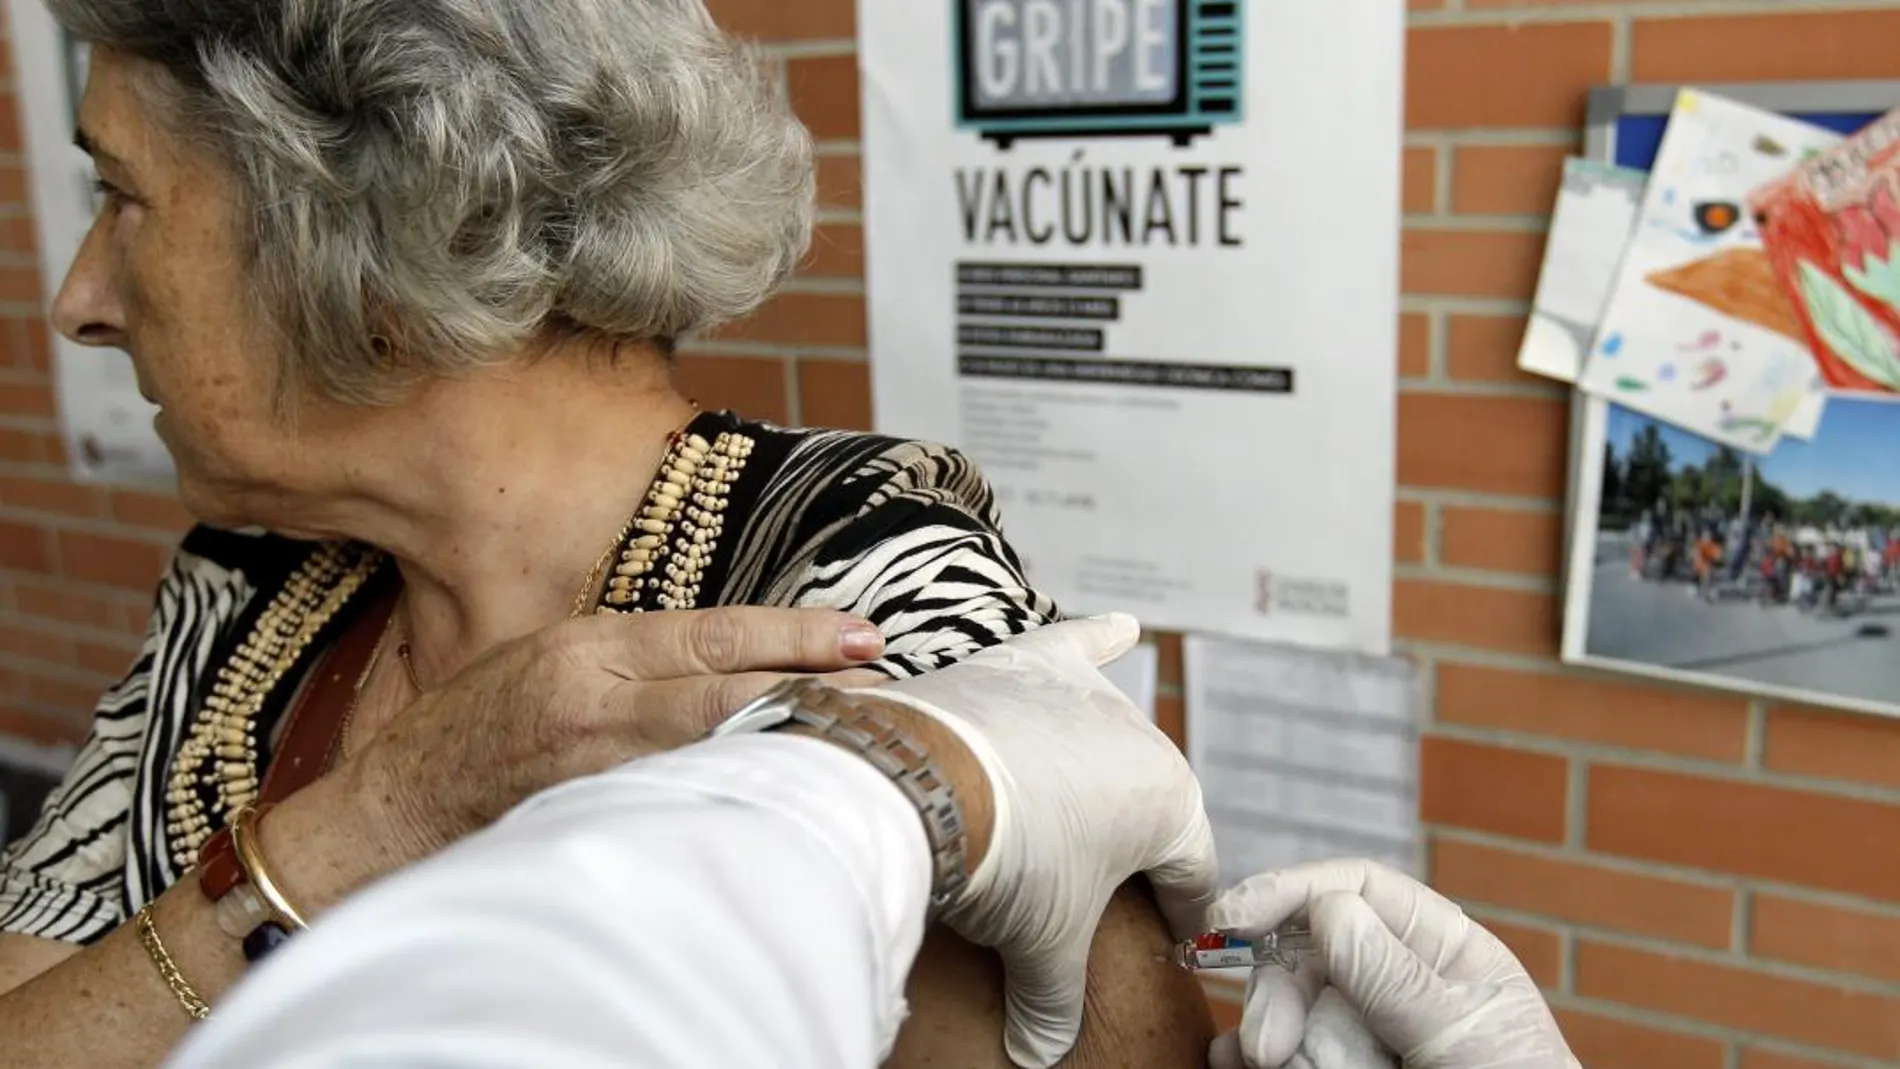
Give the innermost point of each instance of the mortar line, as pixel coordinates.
(1428, 302)
(1742, 920)
(1443, 176)
(1477, 499)
(1515, 224)
(1523, 584)
(1664, 870)
(1576, 802)
(1464, 388)
(1621, 34)
(1610, 9)
(1755, 742)
(1438, 347)
(1665, 1021)
(1654, 761)
(1649, 944)
(1455, 137)
(794, 394)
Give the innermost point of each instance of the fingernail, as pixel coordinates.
(861, 642)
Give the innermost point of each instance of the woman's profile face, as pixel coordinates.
(161, 276)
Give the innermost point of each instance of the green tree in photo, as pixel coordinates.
(1646, 472)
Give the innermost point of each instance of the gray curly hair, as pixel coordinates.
(464, 177)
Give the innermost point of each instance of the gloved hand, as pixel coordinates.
(1433, 985)
(1293, 1021)
(1087, 794)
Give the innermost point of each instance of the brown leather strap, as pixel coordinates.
(218, 867)
(323, 704)
(313, 729)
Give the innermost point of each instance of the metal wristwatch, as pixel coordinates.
(862, 724)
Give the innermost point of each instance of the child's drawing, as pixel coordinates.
(1697, 331)
(1832, 233)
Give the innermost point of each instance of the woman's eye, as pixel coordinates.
(112, 195)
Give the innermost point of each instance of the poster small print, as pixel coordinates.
(1139, 259)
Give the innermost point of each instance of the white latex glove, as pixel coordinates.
(1432, 984)
(1337, 1038)
(1088, 793)
(1291, 1021)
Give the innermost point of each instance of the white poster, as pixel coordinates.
(106, 425)
(1138, 258)
(1303, 756)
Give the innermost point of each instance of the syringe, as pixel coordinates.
(1217, 950)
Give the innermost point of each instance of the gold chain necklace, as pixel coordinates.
(584, 597)
(356, 694)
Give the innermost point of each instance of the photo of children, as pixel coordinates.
(1776, 574)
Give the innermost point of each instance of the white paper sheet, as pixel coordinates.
(1696, 331)
(1136, 673)
(1303, 755)
(106, 425)
(1589, 229)
(1807, 417)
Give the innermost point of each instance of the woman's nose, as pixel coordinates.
(88, 309)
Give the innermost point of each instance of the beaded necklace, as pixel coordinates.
(663, 554)
(220, 755)
(666, 551)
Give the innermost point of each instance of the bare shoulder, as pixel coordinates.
(1142, 1011)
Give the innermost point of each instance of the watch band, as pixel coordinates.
(861, 723)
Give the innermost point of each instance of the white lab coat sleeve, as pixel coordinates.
(754, 901)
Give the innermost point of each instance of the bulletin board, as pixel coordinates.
(1739, 647)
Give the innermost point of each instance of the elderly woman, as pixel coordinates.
(403, 278)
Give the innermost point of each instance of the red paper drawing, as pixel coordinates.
(1832, 231)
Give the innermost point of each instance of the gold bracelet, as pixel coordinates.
(251, 857)
(181, 988)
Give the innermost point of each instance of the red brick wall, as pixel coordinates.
(1699, 880)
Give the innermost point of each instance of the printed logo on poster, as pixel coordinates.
(1297, 596)
(1097, 68)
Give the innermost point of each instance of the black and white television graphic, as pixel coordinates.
(1107, 68)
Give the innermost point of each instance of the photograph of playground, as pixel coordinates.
(1776, 572)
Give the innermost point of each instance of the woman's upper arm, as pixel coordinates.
(22, 957)
(926, 561)
(1141, 1010)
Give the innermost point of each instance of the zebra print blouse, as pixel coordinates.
(904, 533)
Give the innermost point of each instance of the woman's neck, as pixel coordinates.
(510, 487)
